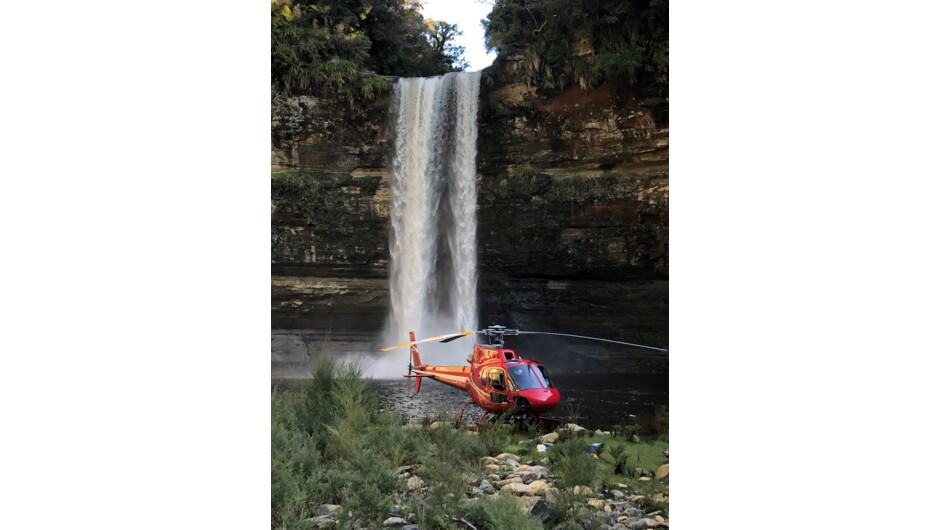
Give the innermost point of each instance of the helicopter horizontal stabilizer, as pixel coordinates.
(437, 338)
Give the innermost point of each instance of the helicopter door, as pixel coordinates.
(497, 380)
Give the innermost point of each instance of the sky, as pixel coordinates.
(467, 15)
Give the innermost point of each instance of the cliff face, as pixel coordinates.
(573, 215)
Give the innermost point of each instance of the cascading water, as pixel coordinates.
(433, 272)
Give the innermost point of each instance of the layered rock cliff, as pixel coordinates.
(573, 216)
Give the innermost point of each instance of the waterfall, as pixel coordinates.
(433, 269)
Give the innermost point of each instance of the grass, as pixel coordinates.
(332, 444)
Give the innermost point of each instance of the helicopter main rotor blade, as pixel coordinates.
(439, 338)
(590, 338)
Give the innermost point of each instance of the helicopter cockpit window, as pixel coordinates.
(526, 377)
(497, 380)
(508, 355)
(543, 372)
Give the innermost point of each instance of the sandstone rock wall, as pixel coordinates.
(573, 214)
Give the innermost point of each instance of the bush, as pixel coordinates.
(574, 467)
(498, 513)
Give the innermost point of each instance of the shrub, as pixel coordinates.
(498, 513)
(569, 459)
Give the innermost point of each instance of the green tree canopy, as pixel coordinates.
(347, 46)
(562, 42)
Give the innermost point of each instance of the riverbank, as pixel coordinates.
(340, 460)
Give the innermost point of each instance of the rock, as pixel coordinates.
(574, 427)
(637, 498)
(582, 490)
(551, 494)
(638, 525)
(666, 454)
(643, 472)
(660, 518)
(599, 432)
(634, 438)
(322, 521)
(394, 521)
(410, 527)
(435, 425)
(475, 492)
(514, 480)
(328, 509)
(486, 487)
(526, 503)
(530, 473)
(492, 467)
(617, 494)
(549, 438)
(543, 511)
(502, 457)
(517, 488)
(659, 497)
(645, 479)
(540, 487)
(618, 526)
(488, 460)
(415, 483)
(596, 503)
(494, 477)
(541, 448)
(663, 471)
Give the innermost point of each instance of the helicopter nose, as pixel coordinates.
(541, 399)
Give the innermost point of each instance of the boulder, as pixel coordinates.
(328, 509)
(415, 483)
(502, 457)
(321, 521)
(543, 511)
(486, 487)
(517, 488)
(596, 504)
(549, 438)
(574, 427)
(539, 486)
(394, 521)
(582, 490)
(514, 480)
(662, 472)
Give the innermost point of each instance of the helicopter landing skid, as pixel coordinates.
(462, 409)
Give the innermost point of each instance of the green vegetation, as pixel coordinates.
(499, 513)
(332, 444)
(315, 182)
(562, 42)
(352, 49)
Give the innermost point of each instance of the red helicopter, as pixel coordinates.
(497, 379)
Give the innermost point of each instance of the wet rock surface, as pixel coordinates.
(572, 217)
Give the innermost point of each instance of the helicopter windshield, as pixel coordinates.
(525, 377)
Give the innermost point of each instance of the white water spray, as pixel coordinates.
(433, 270)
